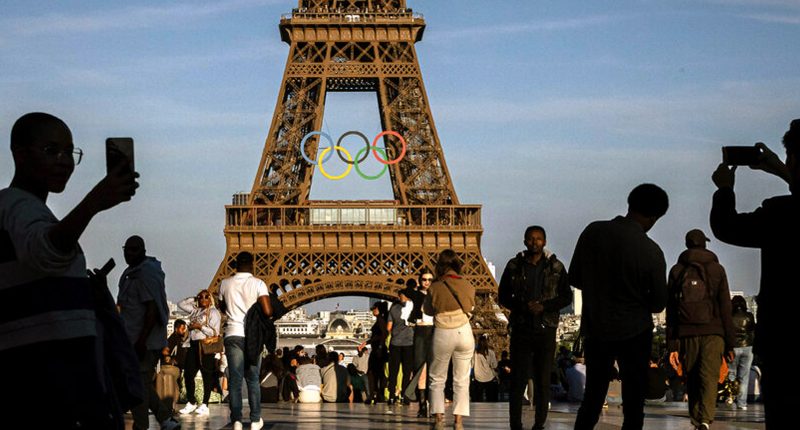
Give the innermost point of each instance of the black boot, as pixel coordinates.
(423, 404)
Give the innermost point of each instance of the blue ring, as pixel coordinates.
(303, 146)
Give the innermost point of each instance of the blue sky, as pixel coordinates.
(548, 112)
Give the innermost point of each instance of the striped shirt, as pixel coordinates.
(44, 292)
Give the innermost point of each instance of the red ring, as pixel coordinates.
(375, 145)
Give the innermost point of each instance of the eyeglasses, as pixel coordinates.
(203, 297)
(52, 151)
(427, 279)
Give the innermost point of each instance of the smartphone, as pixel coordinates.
(108, 267)
(740, 155)
(119, 151)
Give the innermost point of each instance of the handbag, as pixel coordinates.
(212, 344)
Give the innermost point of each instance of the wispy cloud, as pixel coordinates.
(125, 18)
(640, 115)
(793, 4)
(530, 27)
(774, 18)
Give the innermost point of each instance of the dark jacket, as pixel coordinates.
(622, 275)
(377, 339)
(717, 283)
(515, 292)
(259, 331)
(744, 328)
(773, 228)
(418, 298)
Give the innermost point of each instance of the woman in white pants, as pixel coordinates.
(450, 300)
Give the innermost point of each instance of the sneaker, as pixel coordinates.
(202, 410)
(170, 424)
(188, 409)
(237, 425)
(743, 408)
(703, 426)
(258, 425)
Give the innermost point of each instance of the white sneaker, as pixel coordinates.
(188, 409)
(237, 425)
(258, 425)
(202, 410)
(170, 424)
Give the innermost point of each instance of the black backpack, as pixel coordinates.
(695, 305)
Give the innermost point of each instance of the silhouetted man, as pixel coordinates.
(534, 287)
(622, 274)
(50, 311)
(699, 324)
(775, 229)
(142, 302)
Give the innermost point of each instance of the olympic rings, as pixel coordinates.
(361, 155)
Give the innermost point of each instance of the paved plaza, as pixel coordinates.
(670, 416)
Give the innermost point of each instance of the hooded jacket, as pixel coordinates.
(515, 293)
(717, 283)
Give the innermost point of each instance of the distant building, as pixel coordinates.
(288, 329)
(492, 268)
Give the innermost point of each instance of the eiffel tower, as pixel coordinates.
(309, 250)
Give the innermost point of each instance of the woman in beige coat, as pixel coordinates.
(450, 300)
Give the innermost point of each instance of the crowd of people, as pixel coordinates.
(421, 348)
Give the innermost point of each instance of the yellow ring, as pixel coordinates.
(322, 170)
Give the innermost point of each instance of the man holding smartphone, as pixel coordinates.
(52, 338)
(775, 229)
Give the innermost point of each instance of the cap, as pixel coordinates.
(696, 238)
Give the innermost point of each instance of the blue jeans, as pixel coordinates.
(740, 369)
(238, 369)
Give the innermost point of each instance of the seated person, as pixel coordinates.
(656, 390)
(309, 381)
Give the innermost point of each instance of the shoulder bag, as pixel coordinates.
(211, 344)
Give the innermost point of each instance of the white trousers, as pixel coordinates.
(457, 344)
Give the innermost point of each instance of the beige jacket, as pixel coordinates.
(442, 304)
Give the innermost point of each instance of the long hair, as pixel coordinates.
(383, 309)
(483, 345)
(211, 302)
(448, 260)
(738, 303)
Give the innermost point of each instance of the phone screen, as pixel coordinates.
(119, 151)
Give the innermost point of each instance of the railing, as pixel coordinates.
(353, 17)
(356, 215)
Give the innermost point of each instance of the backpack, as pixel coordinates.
(695, 305)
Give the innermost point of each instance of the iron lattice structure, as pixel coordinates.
(309, 250)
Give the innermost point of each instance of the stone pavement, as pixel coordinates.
(670, 416)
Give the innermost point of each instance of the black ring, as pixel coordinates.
(339, 144)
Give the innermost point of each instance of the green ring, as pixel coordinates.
(358, 169)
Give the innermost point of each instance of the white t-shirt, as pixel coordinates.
(240, 292)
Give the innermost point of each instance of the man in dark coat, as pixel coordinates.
(534, 287)
(774, 228)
